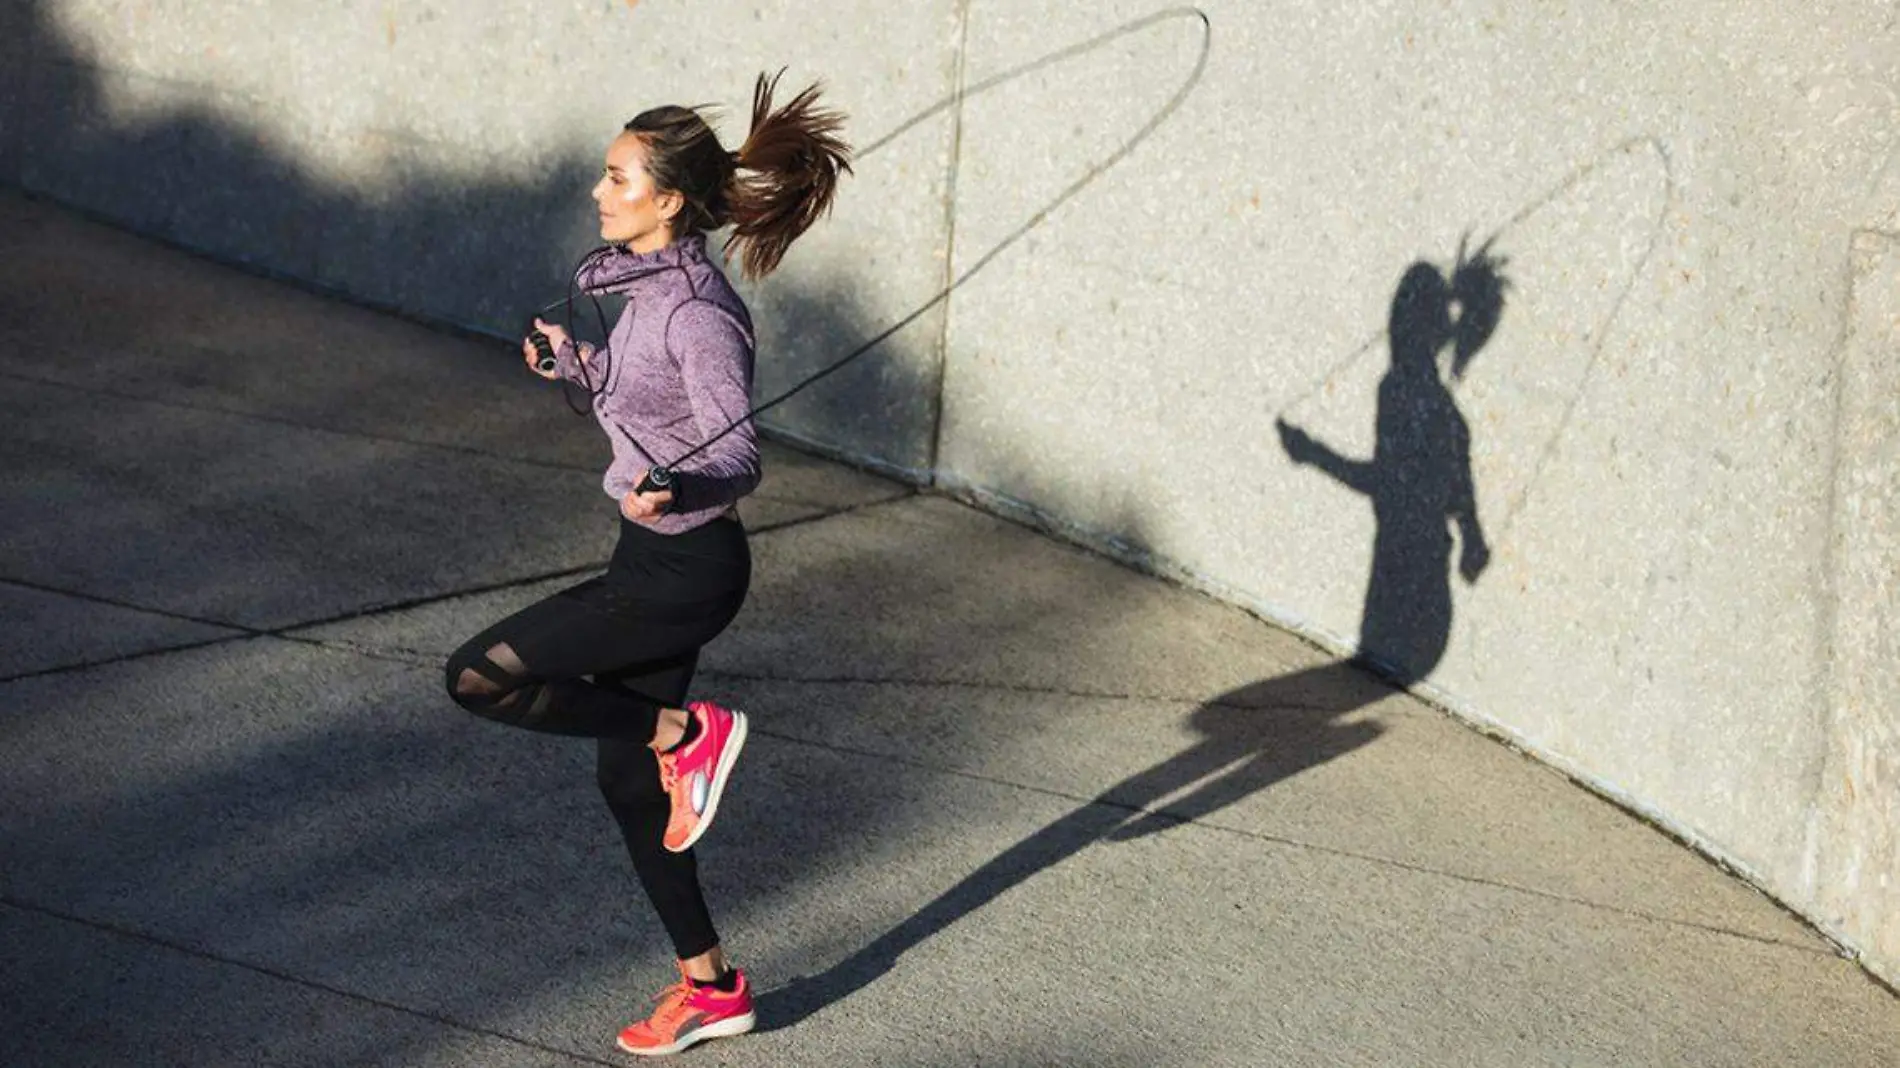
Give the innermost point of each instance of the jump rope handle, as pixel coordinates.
(657, 480)
(544, 352)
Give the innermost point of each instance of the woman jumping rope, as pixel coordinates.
(612, 658)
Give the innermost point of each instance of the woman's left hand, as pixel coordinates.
(645, 507)
(557, 339)
(1474, 559)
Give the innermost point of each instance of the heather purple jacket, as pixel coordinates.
(677, 369)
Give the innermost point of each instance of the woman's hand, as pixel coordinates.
(1474, 559)
(1297, 443)
(645, 507)
(557, 338)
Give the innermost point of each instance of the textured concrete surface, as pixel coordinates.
(42, 629)
(1650, 426)
(74, 987)
(1033, 642)
(1006, 803)
(1117, 246)
(1858, 819)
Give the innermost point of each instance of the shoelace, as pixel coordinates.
(672, 1008)
(669, 771)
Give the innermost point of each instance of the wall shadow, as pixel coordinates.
(1419, 484)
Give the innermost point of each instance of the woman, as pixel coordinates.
(612, 657)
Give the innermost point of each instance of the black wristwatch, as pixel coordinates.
(661, 480)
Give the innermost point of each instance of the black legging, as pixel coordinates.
(600, 660)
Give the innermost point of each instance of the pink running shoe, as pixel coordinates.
(695, 775)
(689, 1014)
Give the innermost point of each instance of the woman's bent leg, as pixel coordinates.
(528, 670)
(635, 635)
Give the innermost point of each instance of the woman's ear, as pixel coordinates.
(668, 204)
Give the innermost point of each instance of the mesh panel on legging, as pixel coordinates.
(600, 659)
(495, 684)
(544, 686)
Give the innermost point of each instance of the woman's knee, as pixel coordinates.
(481, 676)
(459, 677)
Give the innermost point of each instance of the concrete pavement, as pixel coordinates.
(1008, 803)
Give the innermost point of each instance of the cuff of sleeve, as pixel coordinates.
(677, 505)
(567, 359)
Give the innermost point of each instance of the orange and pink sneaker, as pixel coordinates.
(695, 774)
(688, 1014)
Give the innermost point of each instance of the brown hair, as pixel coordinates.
(780, 181)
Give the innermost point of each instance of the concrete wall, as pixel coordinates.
(1163, 233)
(430, 158)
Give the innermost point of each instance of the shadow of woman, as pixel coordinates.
(1419, 477)
(1419, 483)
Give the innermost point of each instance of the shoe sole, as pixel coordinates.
(735, 1025)
(717, 788)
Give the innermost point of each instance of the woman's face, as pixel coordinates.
(633, 212)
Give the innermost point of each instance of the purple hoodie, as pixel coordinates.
(676, 370)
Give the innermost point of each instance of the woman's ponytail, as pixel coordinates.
(771, 190)
(785, 175)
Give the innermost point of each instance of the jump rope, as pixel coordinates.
(659, 477)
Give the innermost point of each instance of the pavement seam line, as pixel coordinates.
(362, 435)
(1294, 843)
(122, 931)
(278, 420)
(239, 631)
(288, 632)
(417, 659)
(1016, 688)
(426, 600)
(909, 493)
(41, 587)
(285, 633)
(394, 656)
(84, 665)
(400, 654)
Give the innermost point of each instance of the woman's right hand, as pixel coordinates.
(557, 339)
(1297, 443)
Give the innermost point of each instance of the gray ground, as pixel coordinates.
(1006, 803)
